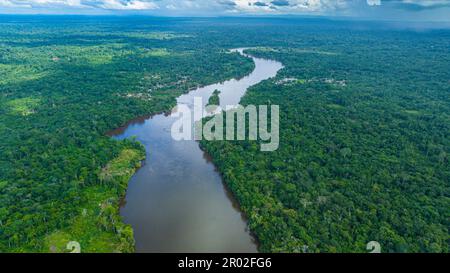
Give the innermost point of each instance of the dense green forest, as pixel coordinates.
(364, 138)
(364, 145)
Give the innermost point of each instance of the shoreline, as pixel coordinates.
(230, 194)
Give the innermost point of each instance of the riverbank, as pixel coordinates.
(96, 223)
(177, 202)
(98, 228)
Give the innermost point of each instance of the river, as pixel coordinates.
(177, 201)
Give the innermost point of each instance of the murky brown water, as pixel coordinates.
(177, 202)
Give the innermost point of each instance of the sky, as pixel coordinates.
(415, 10)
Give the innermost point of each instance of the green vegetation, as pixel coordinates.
(364, 146)
(64, 84)
(214, 100)
(98, 228)
(159, 35)
(23, 106)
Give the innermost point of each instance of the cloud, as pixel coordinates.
(280, 3)
(260, 4)
(128, 5)
(11, 4)
(388, 9)
(227, 3)
(186, 5)
(36, 3)
(87, 4)
(374, 2)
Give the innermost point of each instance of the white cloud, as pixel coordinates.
(56, 2)
(289, 6)
(374, 2)
(128, 5)
(214, 7)
(93, 4)
(11, 4)
(39, 3)
(188, 5)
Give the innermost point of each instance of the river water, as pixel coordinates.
(177, 201)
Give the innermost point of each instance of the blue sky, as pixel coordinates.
(425, 10)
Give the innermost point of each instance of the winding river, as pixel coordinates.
(177, 201)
